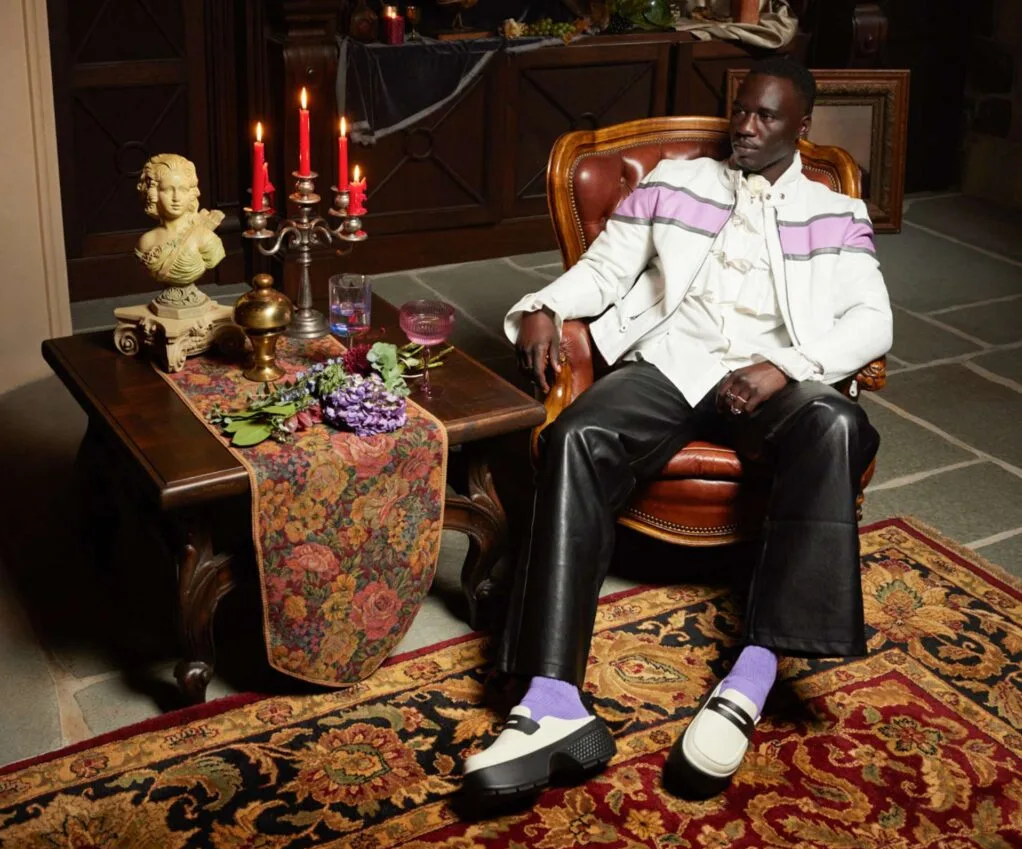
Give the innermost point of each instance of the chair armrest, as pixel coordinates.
(870, 378)
(575, 376)
(873, 377)
(577, 354)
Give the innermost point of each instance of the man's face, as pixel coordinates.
(767, 118)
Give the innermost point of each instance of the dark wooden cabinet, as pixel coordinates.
(552, 91)
(436, 174)
(700, 72)
(132, 80)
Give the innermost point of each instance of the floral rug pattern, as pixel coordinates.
(917, 745)
(347, 528)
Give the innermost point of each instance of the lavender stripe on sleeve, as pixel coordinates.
(638, 207)
(682, 210)
(826, 234)
(860, 237)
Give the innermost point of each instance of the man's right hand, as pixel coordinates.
(538, 346)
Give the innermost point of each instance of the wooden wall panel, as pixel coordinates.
(555, 90)
(134, 78)
(437, 174)
(700, 72)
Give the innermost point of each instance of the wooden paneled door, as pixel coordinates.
(552, 91)
(133, 78)
(438, 173)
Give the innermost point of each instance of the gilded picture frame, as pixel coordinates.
(866, 113)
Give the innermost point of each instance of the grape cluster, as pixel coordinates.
(618, 24)
(546, 27)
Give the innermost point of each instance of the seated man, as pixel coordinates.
(730, 296)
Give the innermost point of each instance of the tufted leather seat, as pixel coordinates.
(703, 496)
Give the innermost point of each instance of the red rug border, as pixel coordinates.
(995, 574)
(182, 716)
(171, 719)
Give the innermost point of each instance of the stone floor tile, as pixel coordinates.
(487, 290)
(533, 260)
(907, 448)
(1004, 363)
(129, 697)
(1007, 554)
(925, 272)
(964, 504)
(398, 288)
(998, 323)
(917, 341)
(979, 222)
(983, 414)
(29, 714)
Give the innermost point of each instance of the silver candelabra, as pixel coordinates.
(303, 233)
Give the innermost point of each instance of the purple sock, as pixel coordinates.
(753, 674)
(550, 697)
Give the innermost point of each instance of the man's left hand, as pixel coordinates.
(746, 388)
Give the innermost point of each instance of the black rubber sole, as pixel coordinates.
(572, 758)
(685, 781)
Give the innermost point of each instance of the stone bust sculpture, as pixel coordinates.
(184, 246)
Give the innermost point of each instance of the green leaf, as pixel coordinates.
(281, 409)
(251, 435)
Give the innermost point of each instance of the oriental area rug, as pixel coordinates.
(917, 745)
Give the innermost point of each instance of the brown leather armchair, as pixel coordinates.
(702, 497)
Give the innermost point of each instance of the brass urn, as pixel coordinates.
(264, 313)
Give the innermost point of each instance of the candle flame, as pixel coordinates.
(344, 126)
(305, 99)
(356, 173)
(259, 131)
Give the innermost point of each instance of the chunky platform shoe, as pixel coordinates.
(708, 753)
(528, 755)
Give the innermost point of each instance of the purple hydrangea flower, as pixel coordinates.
(364, 405)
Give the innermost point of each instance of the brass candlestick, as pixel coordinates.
(304, 232)
(263, 313)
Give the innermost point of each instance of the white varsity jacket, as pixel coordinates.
(831, 294)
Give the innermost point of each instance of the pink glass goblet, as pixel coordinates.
(427, 323)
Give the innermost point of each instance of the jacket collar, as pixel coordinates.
(782, 191)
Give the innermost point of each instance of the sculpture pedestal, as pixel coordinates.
(173, 340)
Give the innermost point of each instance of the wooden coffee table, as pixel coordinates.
(143, 440)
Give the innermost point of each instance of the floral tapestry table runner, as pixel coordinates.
(346, 527)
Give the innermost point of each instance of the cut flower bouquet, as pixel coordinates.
(363, 391)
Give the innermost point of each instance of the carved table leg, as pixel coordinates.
(204, 577)
(480, 516)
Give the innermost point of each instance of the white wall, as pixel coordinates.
(33, 271)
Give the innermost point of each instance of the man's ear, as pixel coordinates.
(805, 126)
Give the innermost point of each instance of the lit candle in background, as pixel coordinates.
(357, 190)
(258, 169)
(342, 157)
(393, 26)
(304, 166)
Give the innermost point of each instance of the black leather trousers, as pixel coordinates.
(805, 597)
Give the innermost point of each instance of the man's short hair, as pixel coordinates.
(788, 69)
